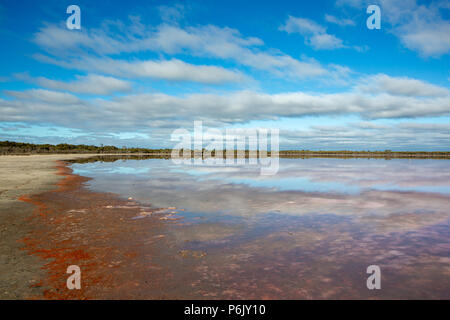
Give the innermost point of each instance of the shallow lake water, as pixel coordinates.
(309, 231)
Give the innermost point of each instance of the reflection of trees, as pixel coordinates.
(113, 158)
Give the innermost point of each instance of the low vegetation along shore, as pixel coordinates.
(19, 148)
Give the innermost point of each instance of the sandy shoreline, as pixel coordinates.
(20, 176)
(49, 221)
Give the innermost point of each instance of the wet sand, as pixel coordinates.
(97, 232)
(45, 227)
(20, 175)
(49, 221)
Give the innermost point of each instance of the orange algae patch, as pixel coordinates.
(72, 227)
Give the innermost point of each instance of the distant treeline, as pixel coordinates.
(388, 154)
(9, 147)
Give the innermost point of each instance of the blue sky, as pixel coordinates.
(138, 70)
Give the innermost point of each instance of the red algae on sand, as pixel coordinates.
(114, 252)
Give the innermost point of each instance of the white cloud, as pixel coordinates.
(90, 84)
(401, 86)
(171, 14)
(172, 70)
(135, 112)
(430, 39)
(58, 39)
(315, 35)
(403, 135)
(339, 21)
(370, 136)
(325, 41)
(433, 127)
(420, 27)
(44, 96)
(203, 41)
(228, 44)
(302, 26)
